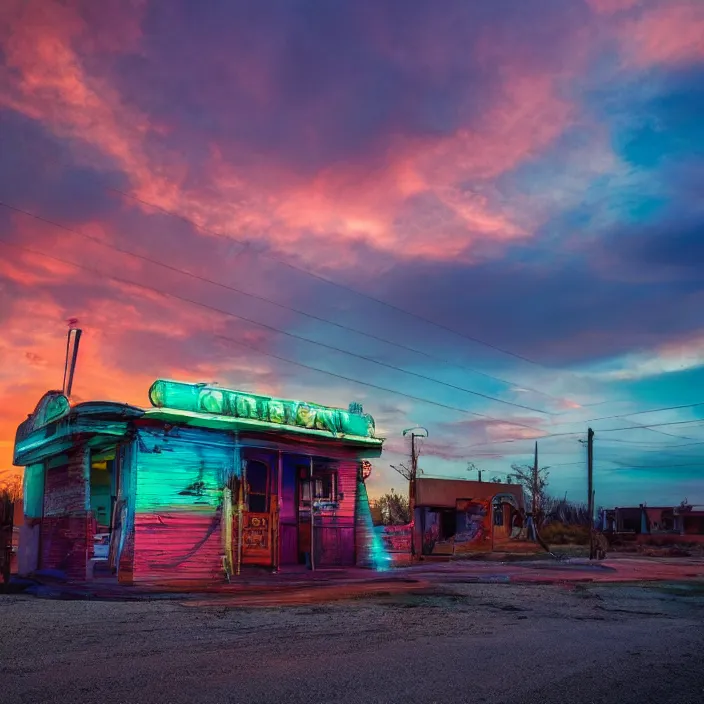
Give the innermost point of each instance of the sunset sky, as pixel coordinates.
(482, 217)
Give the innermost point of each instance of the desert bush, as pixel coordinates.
(565, 512)
(556, 533)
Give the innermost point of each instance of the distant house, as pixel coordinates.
(688, 521)
(653, 520)
(454, 516)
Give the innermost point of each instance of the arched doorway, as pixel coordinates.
(505, 510)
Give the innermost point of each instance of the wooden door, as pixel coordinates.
(303, 500)
(259, 515)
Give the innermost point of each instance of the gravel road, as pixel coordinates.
(478, 643)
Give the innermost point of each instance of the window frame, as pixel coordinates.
(267, 492)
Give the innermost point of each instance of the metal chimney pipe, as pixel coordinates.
(70, 366)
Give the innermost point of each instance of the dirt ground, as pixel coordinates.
(479, 643)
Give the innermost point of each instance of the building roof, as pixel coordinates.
(55, 423)
(216, 421)
(212, 406)
(443, 493)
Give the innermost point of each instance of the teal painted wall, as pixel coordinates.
(178, 504)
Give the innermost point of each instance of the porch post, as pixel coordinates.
(241, 498)
(277, 520)
(312, 519)
(492, 518)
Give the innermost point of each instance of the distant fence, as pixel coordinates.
(397, 542)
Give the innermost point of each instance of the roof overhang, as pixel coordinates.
(94, 423)
(234, 424)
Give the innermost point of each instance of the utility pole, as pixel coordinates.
(412, 479)
(414, 474)
(535, 483)
(590, 489)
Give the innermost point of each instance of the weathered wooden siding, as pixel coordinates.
(335, 531)
(122, 539)
(178, 510)
(65, 531)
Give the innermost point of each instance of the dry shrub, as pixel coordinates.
(557, 533)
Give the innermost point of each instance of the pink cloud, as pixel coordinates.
(671, 33)
(610, 7)
(356, 204)
(47, 81)
(352, 203)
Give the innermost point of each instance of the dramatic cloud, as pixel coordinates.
(255, 194)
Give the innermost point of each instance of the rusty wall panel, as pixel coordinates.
(65, 544)
(65, 539)
(178, 507)
(66, 488)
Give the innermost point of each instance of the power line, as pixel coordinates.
(628, 415)
(600, 430)
(664, 465)
(374, 386)
(324, 279)
(346, 378)
(566, 464)
(238, 342)
(652, 410)
(651, 425)
(660, 445)
(650, 453)
(271, 301)
(547, 436)
(185, 272)
(634, 413)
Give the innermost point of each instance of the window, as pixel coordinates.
(257, 487)
(325, 487)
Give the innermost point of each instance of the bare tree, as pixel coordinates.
(533, 483)
(11, 487)
(403, 470)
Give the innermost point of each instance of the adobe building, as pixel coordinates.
(456, 516)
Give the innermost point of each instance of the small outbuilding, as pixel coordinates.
(455, 516)
(203, 484)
